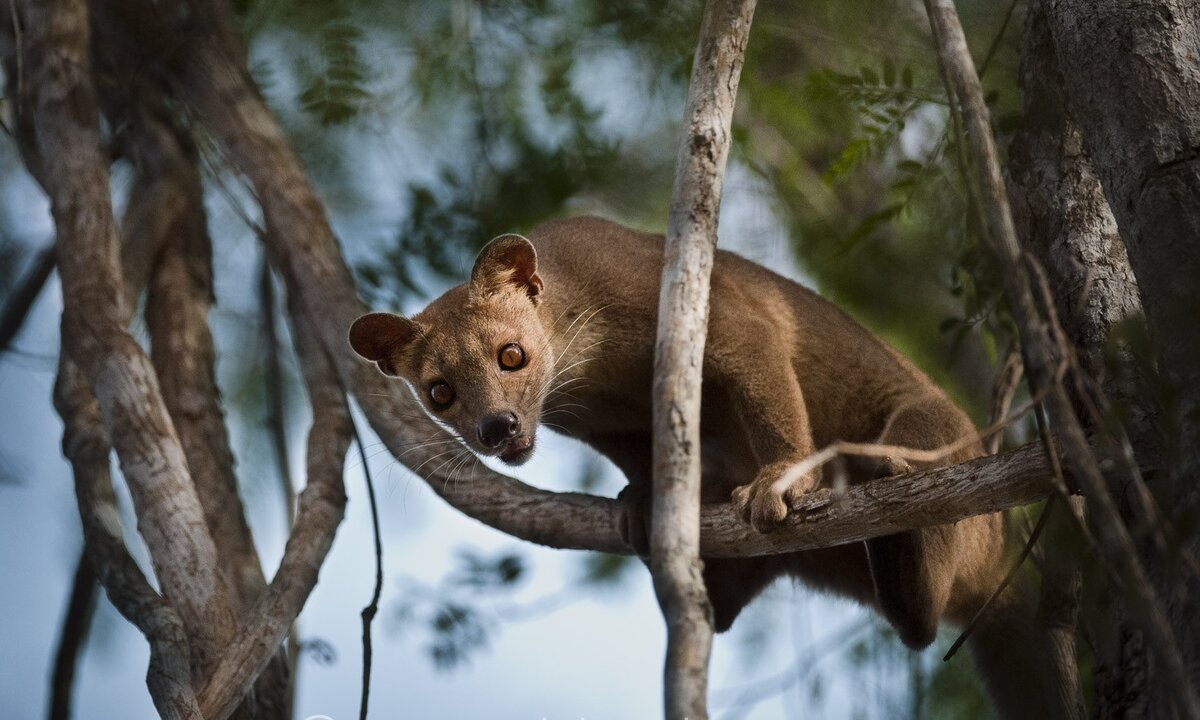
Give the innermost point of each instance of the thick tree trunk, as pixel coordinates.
(1134, 87)
(1063, 219)
(1040, 344)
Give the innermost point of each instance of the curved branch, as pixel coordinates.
(86, 445)
(62, 108)
(320, 511)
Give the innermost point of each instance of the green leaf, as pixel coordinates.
(851, 156)
(889, 72)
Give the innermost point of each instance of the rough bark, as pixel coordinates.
(1041, 353)
(74, 173)
(1135, 89)
(1064, 220)
(165, 220)
(86, 445)
(679, 353)
(1062, 216)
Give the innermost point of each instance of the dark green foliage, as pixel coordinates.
(480, 573)
(335, 90)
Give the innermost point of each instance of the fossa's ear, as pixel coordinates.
(508, 260)
(379, 336)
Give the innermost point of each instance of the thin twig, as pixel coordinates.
(991, 51)
(1008, 578)
(899, 452)
(1008, 379)
(276, 410)
(369, 612)
(1043, 518)
(20, 300)
(80, 609)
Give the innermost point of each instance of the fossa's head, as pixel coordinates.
(478, 357)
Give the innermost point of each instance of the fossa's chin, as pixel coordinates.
(518, 451)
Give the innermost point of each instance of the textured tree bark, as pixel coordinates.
(74, 173)
(1135, 89)
(1041, 354)
(1064, 219)
(166, 221)
(679, 354)
(86, 446)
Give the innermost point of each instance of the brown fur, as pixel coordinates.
(785, 373)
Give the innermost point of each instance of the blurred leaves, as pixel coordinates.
(335, 90)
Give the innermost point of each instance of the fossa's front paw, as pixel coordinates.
(765, 501)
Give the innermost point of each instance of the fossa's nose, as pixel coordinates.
(498, 427)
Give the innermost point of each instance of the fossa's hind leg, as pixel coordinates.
(914, 571)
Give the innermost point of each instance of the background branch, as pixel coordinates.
(86, 446)
(321, 508)
(63, 109)
(73, 632)
(20, 301)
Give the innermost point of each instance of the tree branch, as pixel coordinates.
(322, 505)
(679, 354)
(20, 301)
(62, 108)
(86, 445)
(81, 606)
(1134, 91)
(167, 208)
(165, 225)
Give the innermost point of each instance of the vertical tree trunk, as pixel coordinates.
(1063, 219)
(1134, 87)
(1039, 344)
(679, 354)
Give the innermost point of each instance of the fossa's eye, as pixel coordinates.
(441, 394)
(511, 357)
